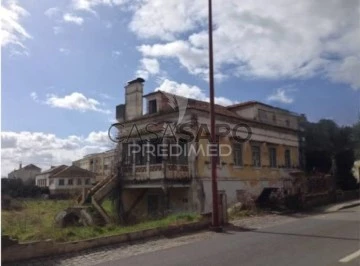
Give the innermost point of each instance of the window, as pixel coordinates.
(87, 181)
(70, 182)
(127, 154)
(152, 107)
(237, 152)
(106, 167)
(272, 157)
(61, 182)
(256, 158)
(262, 115)
(140, 158)
(183, 157)
(274, 118)
(79, 183)
(287, 159)
(154, 151)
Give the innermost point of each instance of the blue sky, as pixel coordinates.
(65, 63)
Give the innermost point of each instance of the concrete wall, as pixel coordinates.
(179, 200)
(100, 163)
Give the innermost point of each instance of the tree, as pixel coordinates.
(330, 149)
(356, 138)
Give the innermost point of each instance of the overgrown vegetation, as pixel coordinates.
(35, 221)
(16, 188)
(331, 148)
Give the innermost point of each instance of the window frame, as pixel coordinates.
(287, 159)
(152, 106)
(258, 146)
(272, 156)
(239, 148)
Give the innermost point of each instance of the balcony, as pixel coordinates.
(157, 173)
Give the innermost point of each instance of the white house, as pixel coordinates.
(66, 179)
(42, 179)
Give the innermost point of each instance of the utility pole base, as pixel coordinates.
(217, 229)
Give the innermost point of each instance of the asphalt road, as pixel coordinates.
(324, 239)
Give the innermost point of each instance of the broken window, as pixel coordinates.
(287, 158)
(183, 157)
(237, 152)
(272, 157)
(256, 156)
(152, 107)
(140, 155)
(154, 151)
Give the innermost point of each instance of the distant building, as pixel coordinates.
(65, 179)
(102, 164)
(26, 173)
(42, 179)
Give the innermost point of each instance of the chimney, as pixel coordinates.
(20, 165)
(134, 99)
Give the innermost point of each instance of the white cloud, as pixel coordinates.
(73, 19)
(34, 96)
(51, 12)
(148, 66)
(45, 149)
(188, 91)
(193, 59)
(281, 96)
(89, 5)
(75, 101)
(64, 51)
(151, 65)
(116, 54)
(165, 19)
(12, 32)
(57, 30)
(347, 71)
(262, 39)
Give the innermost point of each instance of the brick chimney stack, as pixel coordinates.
(134, 99)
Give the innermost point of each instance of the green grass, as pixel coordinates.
(36, 222)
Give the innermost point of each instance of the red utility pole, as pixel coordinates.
(215, 207)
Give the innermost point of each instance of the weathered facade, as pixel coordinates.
(102, 163)
(259, 147)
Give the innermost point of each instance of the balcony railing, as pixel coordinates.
(156, 171)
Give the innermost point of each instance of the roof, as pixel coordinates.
(249, 103)
(73, 171)
(54, 170)
(31, 166)
(136, 80)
